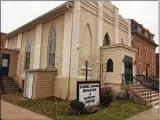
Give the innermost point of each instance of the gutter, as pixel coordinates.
(69, 77)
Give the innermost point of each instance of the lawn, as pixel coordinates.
(118, 110)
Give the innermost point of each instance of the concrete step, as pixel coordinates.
(10, 91)
(146, 96)
(9, 84)
(11, 87)
(137, 87)
(140, 91)
(155, 104)
(8, 81)
(152, 99)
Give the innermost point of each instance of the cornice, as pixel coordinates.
(143, 38)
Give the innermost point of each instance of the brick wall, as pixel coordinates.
(141, 62)
(157, 64)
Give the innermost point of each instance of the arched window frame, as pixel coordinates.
(152, 57)
(52, 46)
(139, 48)
(109, 65)
(146, 50)
(106, 40)
(27, 52)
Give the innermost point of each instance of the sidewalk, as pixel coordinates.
(151, 114)
(10, 111)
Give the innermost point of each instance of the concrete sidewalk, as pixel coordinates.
(151, 114)
(10, 111)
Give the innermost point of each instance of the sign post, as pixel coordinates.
(86, 64)
(88, 92)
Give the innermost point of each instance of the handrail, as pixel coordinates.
(143, 86)
(152, 84)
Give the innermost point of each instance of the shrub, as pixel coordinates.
(106, 100)
(77, 106)
(106, 91)
(91, 108)
(106, 96)
(121, 94)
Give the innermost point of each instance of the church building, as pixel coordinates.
(52, 49)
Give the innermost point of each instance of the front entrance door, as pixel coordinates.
(5, 64)
(128, 66)
(29, 85)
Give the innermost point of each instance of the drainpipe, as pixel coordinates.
(69, 77)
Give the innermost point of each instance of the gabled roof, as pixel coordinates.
(39, 19)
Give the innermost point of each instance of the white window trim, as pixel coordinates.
(52, 41)
(28, 48)
(139, 48)
(146, 51)
(152, 56)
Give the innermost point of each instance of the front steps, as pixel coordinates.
(149, 96)
(9, 85)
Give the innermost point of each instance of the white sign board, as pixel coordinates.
(88, 92)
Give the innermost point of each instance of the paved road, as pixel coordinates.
(10, 112)
(151, 114)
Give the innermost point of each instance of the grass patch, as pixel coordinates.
(118, 110)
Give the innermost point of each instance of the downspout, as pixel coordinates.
(69, 77)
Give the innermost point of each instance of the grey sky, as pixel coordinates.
(17, 13)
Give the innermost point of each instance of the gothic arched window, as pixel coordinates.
(27, 52)
(109, 66)
(106, 40)
(51, 46)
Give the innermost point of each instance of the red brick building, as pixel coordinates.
(142, 40)
(1, 42)
(157, 65)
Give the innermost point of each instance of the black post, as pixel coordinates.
(86, 64)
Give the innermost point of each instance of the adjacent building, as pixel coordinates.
(143, 41)
(157, 65)
(2, 42)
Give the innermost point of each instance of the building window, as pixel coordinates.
(51, 46)
(146, 34)
(139, 29)
(28, 52)
(139, 70)
(152, 56)
(138, 50)
(109, 66)
(106, 40)
(146, 50)
(12, 44)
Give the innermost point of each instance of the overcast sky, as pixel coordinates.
(17, 13)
